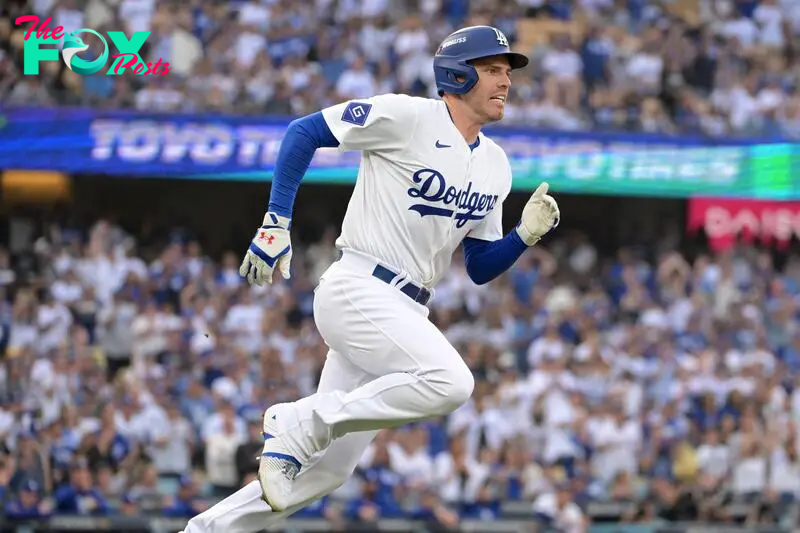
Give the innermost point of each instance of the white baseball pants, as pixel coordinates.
(387, 365)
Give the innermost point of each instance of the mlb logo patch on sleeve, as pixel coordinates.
(356, 113)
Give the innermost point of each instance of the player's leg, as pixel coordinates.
(245, 511)
(384, 333)
(329, 468)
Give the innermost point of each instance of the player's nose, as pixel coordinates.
(504, 81)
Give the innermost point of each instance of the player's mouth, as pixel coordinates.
(501, 98)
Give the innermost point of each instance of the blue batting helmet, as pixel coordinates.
(451, 61)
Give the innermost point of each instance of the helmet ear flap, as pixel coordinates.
(448, 74)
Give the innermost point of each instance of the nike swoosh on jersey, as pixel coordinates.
(440, 145)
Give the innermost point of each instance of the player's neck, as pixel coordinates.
(464, 122)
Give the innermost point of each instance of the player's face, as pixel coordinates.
(488, 98)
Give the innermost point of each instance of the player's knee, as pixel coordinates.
(464, 385)
(456, 388)
(195, 525)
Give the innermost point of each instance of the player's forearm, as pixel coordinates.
(301, 141)
(486, 260)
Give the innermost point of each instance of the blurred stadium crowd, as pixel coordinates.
(668, 385)
(711, 67)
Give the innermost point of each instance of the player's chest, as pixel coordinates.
(447, 183)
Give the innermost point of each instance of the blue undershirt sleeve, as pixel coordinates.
(303, 137)
(485, 260)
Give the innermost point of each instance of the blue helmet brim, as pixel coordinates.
(515, 60)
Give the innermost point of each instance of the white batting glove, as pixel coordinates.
(270, 247)
(540, 215)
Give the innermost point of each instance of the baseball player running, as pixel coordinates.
(429, 180)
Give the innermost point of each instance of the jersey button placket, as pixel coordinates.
(453, 220)
(464, 183)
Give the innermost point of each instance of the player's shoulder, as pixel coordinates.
(495, 153)
(398, 112)
(494, 149)
(400, 100)
(400, 108)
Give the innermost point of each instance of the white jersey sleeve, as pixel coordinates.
(491, 227)
(384, 122)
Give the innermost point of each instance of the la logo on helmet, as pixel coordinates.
(501, 39)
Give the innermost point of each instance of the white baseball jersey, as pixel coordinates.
(420, 188)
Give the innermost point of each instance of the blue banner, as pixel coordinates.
(127, 143)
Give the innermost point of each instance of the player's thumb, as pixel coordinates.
(541, 190)
(284, 265)
(244, 268)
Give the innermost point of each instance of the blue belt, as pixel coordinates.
(420, 295)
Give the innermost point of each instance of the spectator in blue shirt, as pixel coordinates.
(186, 504)
(108, 445)
(79, 497)
(486, 505)
(595, 52)
(379, 498)
(315, 509)
(129, 505)
(29, 461)
(28, 505)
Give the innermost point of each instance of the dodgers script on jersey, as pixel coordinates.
(420, 188)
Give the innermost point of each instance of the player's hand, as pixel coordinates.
(270, 247)
(540, 215)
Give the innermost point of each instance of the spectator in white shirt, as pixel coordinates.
(409, 457)
(222, 433)
(137, 14)
(549, 346)
(744, 112)
(617, 441)
(557, 510)
(68, 15)
(412, 48)
(563, 67)
(645, 68)
(784, 468)
(53, 322)
(244, 322)
(173, 443)
(450, 471)
(741, 28)
(482, 423)
(749, 475)
(67, 289)
(255, 15)
(482, 487)
(769, 18)
(771, 97)
(713, 457)
(357, 81)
